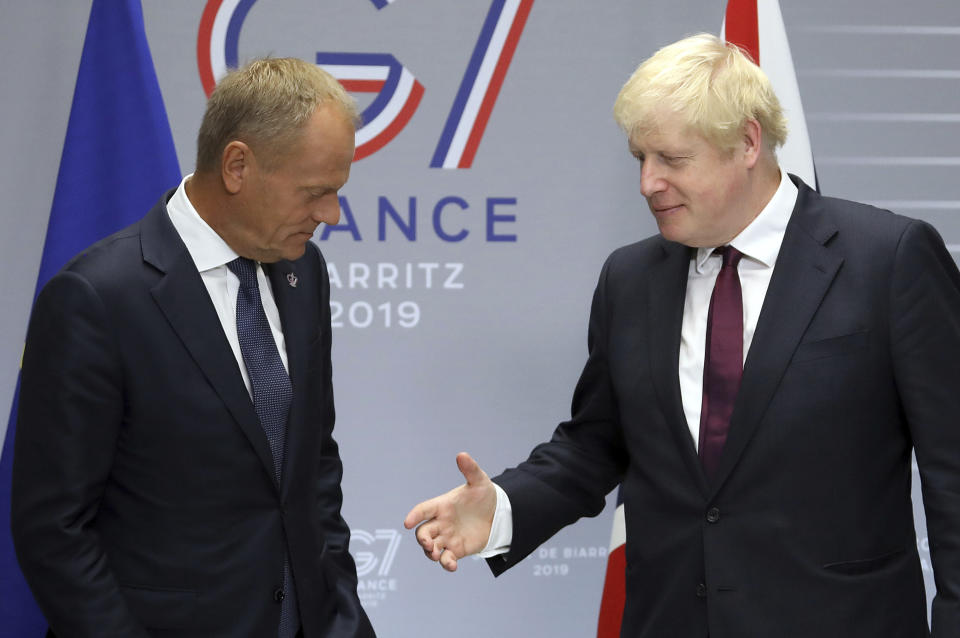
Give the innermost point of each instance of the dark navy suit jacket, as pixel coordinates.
(806, 531)
(144, 498)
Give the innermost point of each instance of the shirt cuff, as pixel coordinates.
(501, 530)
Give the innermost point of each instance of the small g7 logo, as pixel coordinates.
(367, 561)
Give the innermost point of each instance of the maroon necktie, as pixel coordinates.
(723, 360)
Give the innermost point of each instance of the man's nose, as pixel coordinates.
(651, 182)
(648, 179)
(327, 212)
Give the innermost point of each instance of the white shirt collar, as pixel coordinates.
(760, 240)
(205, 246)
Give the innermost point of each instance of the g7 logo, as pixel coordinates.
(368, 561)
(398, 91)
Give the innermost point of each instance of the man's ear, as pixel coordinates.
(752, 142)
(236, 163)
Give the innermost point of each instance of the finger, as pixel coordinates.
(470, 469)
(431, 549)
(420, 513)
(427, 534)
(448, 561)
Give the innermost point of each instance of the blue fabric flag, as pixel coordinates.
(118, 158)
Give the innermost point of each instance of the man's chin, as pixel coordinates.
(290, 251)
(294, 253)
(670, 232)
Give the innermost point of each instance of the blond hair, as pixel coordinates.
(265, 104)
(715, 87)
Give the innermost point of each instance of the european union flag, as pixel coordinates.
(118, 157)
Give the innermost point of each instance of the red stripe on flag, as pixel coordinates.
(496, 80)
(614, 594)
(742, 29)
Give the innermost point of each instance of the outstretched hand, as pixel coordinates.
(456, 524)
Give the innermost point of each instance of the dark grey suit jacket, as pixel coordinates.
(807, 528)
(144, 498)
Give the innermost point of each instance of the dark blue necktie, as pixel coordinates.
(271, 400)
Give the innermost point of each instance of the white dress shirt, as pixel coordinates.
(760, 244)
(211, 255)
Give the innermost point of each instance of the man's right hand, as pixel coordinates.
(456, 524)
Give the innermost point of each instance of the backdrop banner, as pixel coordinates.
(490, 184)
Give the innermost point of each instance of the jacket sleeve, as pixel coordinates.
(569, 476)
(925, 345)
(351, 619)
(70, 413)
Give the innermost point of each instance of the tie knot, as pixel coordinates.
(245, 270)
(731, 256)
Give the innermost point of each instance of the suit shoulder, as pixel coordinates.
(636, 256)
(859, 230)
(864, 220)
(111, 258)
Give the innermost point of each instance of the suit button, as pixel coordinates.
(278, 595)
(713, 515)
(701, 591)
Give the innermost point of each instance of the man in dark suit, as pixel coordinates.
(758, 407)
(175, 472)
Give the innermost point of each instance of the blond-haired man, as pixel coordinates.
(758, 376)
(175, 472)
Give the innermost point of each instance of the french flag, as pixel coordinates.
(757, 27)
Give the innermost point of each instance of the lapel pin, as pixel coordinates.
(292, 279)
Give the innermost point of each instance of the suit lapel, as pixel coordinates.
(667, 285)
(185, 303)
(291, 299)
(806, 266)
